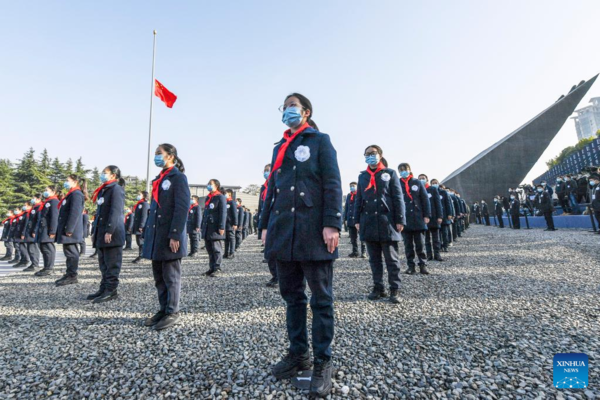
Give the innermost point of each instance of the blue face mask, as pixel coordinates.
(435, 185)
(209, 187)
(266, 174)
(32, 201)
(103, 178)
(46, 194)
(159, 161)
(593, 183)
(404, 174)
(24, 208)
(67, 185)
(191, 201)
(540, 190)
(424, 181)
(353, 189)
(372, 159)
(292, 117)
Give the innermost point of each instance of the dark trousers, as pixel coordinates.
(48, 254)
(139, 240)
(9, 249)
(194, 242)
(516, 221)
(446, 236)
(454, 229)
(72, 254)
(596, 213)
(563, 201)
(17, 250)
(293, 276)
(34, 254)
(128, 241)
(392, 263)
(549, 219)
(24, 253)
(487, 219)
(82, 248)
(215, 253)
(238, 239)
(478, 219)
(229, 243)
(354, 240)
(413, 246)
(167, 280)
(110, 260)
(244, 233)
(273, 268)
(432, 242)
(500, 220)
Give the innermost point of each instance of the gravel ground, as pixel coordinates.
(485, 324)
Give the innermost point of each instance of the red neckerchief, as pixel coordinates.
(372, 182)
(29, 212)
(9, 218)
(138, 203)
(239, 206)
(210, 196)
(282, 149)
(426, 185)
(156, 183)
(41, 206)
(266, 186)
(97, 191)
(192, 206)
(352, 196)
(67, 195)
(406, 188)
(47, 200)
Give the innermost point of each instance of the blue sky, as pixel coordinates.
(432, 82)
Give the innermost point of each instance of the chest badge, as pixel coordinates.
(211, 206)
(47, 205)
(166, 185)
(302, 153)
(385, 177)
(429, 195)
(228, 205)
(414, 188)
(100, 201)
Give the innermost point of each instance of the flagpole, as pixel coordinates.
(150, 125)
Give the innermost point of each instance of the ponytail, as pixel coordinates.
(82, 183)
(179, 164)
(312, 124)
(384, 162)
(116, 171)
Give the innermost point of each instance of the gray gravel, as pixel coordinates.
(485, 324)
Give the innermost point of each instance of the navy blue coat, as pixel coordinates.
(435, 203)
(498, 208)
(232, 215)
(168, 221)
(463, 205)
(447, 207)
(85, 221)
(128, 223)
(349, 210)
(247, 219)
(14, 235)
(28, 229)
(378, 212)
(34, 221)
(241, 215)
(484, 209)
(69, 218)
(22, 225)
(194, 219)
(5, 229)
(261, 203)
(456, 204)
(214, 218)
(515, 207)
(418, 208)
(543, 202)
(304, 196)
(48, 222)
(140, 216)
(111, 201)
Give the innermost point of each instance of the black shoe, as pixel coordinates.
(167, 321)
(136, 260)
(231, 256)
(410, 271)
(62, 278)
(320, 383)
(21, 264)
(353, 255)
(363, 255)
(273, 282)
(6, 257)
(192, 254)
(226, 256)
(31, 268)
(429, 258)
(438, 258)
(394, 296)
(208, 273)
(43, 272)
(265, 261)
(69, 280)
(94, 255)
(444, 249)
(290, 365)
(215, 273)
(153, 320)
(423, 269)
(106, 296)
(15, 261)
(95, 295)
(377, 293)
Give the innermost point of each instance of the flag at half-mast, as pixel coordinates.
(164, 94)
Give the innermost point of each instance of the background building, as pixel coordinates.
(587, 121)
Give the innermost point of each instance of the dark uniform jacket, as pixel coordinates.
(168, 221)
(215, 218)
(448, 207)
(349, 210)
(110, 202)
(232, 215)
(379, 211)
(571, 187)
(418, 207)
(129, 222)
(5, 229)
(515, 207)
(194, 219)
(476, 209)
(48, 221)
(69, 218)
(304, 196)
(484, 209)
(34, 221)
(561, 189)
(85, 220)
(435, 203)
(498, 208)
(247, 217)
(241, 215)
(595, 198)
(14, 229)
(140, 217)
(543, 202)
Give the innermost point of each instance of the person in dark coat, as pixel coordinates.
(543, 203)
(457, 215)
(350, 222)
(214, 222)
(128, 226)
(5, 236)
(594, 183)
(515, 211)
(379, 216)
(165, 234)
(194, 222)
(582, 189)
(477, 212)
(109, 235)
(505, 202)
(245, 229)
(239, 234)
(46, 232)
(485, 212)
(418, 215)
(33, 247)
(562, 195)
(13, 235)
(272, 262)
(571, 188)
(231, 225)
(69, 232)
(464, 208)
(85, 220)
(140, 216)
(498, 211)
(301, 224)
(448, 215)
(20, 236)
(433, 243)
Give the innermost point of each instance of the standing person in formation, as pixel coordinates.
(562, 194)
(301, 223)
(273, 282)
(379, 216)
(448, 215)
(351, 222)
(239, 234)
(70, 228)
(85, 221)
(250, 219)
(594, 182)
(543, 202)
(31, 233)
(5, 236)
(194, 222)
(466, 211)
(110, 232)
(24, 238)
(13, 235)
(165, 234)
(128, 224)
(418, 215)
(485, 211)
(515, 211)
(255, 221)
(139, 222)
(93, 230)
(213, 226)
(498, 211)
(477, 212)
(457, 215)
(47, 226)
(231, 225)
(433, 244)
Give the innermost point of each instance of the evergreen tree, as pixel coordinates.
(80, 169)
(68, 168)
(45, 163)
(28, 179)
(94, 181)
(7, 200)
(57, 173)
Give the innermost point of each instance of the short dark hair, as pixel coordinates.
(353, 183)
(404, 166)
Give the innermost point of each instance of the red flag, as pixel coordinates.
(163, 93)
